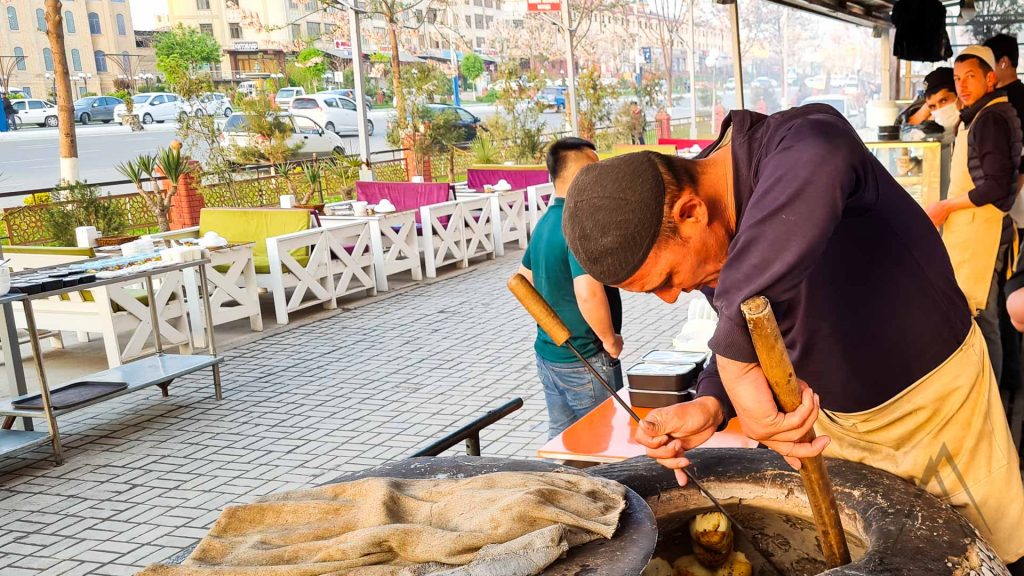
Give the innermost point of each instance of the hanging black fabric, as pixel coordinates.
(920, 31)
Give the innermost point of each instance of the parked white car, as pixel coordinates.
(335, 113)
(154, 107)
(313, 138)
(284, 96)
(35, 111)
(210, 104)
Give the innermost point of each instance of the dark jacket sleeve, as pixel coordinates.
(999, 171)
(806, 177)
(709, 383)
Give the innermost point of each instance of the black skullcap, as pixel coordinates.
(613, 214)
(938, 79)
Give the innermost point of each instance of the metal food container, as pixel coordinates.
(652, 376)
(675, 357)
(655, 399)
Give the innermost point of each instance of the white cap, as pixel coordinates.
(983, 52)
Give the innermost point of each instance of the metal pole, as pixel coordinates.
(211, 346)
(457, 98)
(44, 388)
(886, 41)
(153, 316)
(737, 58)
(12, 356)
(693, 75)
(568, 33)
(357, 76)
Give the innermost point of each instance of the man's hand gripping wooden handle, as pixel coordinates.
(778, 370)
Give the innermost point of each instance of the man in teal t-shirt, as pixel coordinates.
(592, 312)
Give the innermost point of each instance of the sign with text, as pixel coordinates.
(247, 46)
(543, 6)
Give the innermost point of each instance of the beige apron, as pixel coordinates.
(948, 434)
(971, 236)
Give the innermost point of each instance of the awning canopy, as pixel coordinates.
(345, 53)
(446, 56)
(862, 12)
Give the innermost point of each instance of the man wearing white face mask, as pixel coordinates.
(935, 118)
(983, 186)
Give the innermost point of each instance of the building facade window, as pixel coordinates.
(206, 29)
(122, 28)
(328, 29)
(19, 51)
(313, 29)
(203, 4)
(101, 61)
(12, 17)
(296, 31)
(69, 22)
(41, 19)
(76, 60)
(478, 21)
(48, 59)
(236, 30)
(94, 24)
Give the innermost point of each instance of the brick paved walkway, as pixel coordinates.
(146, 476)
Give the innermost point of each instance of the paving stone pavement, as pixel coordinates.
(146, 476)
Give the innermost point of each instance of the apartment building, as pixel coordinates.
(96, 32)
(256, 35)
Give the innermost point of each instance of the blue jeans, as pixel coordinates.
(570, 390)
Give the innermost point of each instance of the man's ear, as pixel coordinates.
(689, 209)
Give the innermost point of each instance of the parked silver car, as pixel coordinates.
(96, 109)
(306, 136)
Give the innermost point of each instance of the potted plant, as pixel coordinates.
(81, 204)
(313, 175)
(169, 163)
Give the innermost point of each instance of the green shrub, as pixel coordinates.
(80, 204)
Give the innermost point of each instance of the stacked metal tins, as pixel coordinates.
(664, 377)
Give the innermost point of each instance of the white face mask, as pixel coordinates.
(948, 116)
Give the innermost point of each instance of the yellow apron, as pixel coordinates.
(971, 236)
(947, 433)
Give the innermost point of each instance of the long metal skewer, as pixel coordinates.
(714, 501)
(550, 322)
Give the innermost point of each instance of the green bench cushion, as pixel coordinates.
(243, 225)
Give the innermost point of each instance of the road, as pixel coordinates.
(29, 158)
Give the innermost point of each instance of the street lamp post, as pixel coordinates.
(365, 172)
(53, 79)
(456, 97)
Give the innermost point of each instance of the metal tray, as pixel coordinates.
(655, 399)
(662, 377)
(675, 357)
(71, 395)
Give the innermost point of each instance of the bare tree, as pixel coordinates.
(398, 15)
(665, 23)
(65, 102)
(997, 16)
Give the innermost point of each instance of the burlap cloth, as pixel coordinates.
(501, 524)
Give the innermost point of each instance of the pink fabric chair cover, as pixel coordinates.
(476, 178)
(682, 143)
(404, 195)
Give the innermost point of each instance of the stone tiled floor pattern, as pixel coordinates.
(146, 476)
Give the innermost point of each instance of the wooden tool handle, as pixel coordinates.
(778, 370)
(535, 304)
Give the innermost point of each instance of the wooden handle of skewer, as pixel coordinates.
(535, 304)
(778, 370)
